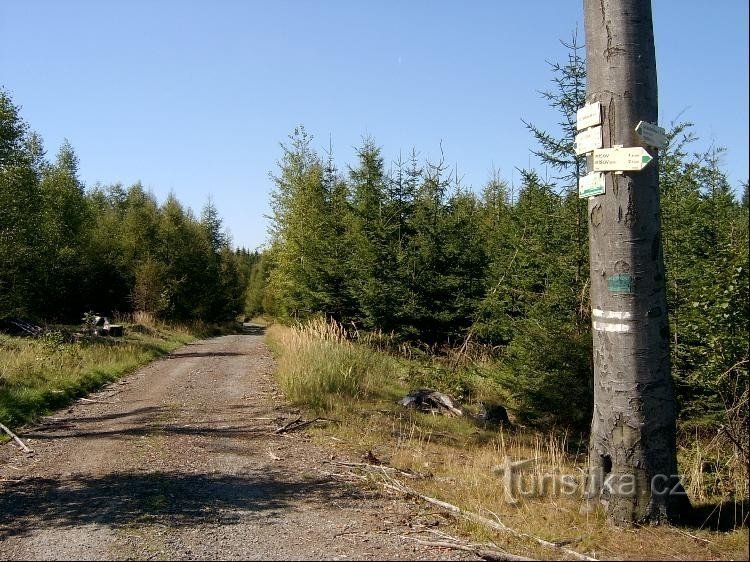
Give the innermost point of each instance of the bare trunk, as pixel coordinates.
(633, 463)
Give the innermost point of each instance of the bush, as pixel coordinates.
(548, 369)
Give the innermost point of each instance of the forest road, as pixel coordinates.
(179, 461)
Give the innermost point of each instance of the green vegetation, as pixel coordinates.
(457, 456)
(321, 368)
(65, 250)
(484, 295)
(403, 248)
(38, 375)
(444, 266)
(318, 367)
(409, 277)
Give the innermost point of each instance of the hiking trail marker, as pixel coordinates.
(588, 116)
(652, 135)
(620, 159)
(588, 140)
(590, 185)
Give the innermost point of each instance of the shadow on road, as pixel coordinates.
(204, 354)
(253, 329)
(160, 498)
(152, 420)
(238, 430)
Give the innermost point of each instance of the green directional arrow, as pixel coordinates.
(619, 159)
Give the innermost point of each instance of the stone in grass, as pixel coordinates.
(428, 400)
(493, 414)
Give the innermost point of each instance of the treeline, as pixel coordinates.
(65, 250)
(405, 249)
(402, 247)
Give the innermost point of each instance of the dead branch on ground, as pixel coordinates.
(16, 439)
(298, 423)
(498, 525)
(485, 552)
(377, 467)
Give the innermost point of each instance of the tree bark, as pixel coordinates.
(633, 463)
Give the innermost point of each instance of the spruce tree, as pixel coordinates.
(374, 228)
(298, 230)
(64, 232)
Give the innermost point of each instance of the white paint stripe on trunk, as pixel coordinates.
(612, 314)
(603, 326)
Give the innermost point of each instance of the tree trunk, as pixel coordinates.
(633, 464)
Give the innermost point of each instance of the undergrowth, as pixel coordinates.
(319, 368)
(40, 374)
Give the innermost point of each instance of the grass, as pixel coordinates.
(325, 369)
(319, 369)
(38, 375)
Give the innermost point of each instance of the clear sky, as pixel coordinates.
(194, 97)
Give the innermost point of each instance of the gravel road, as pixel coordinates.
(179, 461)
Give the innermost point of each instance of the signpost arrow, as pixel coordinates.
(619, 159)
(651, 134)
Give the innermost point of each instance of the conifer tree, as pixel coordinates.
(373, 231)
(336, 234)
(64, 232)
(20, 208)
(298, 203)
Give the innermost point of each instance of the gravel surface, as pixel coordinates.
(179, 461)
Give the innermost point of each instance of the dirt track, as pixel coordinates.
(179, 461)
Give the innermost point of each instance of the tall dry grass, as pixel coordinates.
(319, 367)
(466, 466)
(465, 463)
(145, 322)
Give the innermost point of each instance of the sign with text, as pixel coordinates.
(588, 116)
(588, 140)
(590, 185)
(651, 134)
(620, 159)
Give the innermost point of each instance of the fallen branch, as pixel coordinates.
(299, 424)
(484, 552)
(16, 439)
(496, 525)
(286, 426)
(348, 476)
(380, 467)
(90, 401)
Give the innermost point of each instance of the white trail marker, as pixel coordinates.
(588, 140)
(588, 116)
(590, 185)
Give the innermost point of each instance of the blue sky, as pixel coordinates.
(195, 97)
